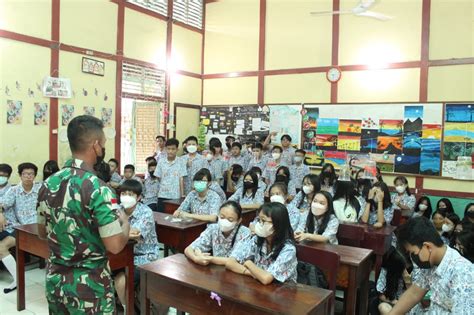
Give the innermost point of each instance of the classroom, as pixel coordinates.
(237, 157)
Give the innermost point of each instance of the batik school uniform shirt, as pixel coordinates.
(288, 155)
(282, 268)
(242, 160)
(169, 174)
(406, 200)
(295, 216)
(387, 215)
(382, 284)
(197, 163)
(262, 185)
(451, 284)
(291, 188)
(262, 163)
(213, 241)
(247, 199)
(209, 205)
(217, 166)
(331, 229)
(23, 203)
(305, 205)
(270, 171)
(116, 178)
(138, 179)
(329, 189)
(218, 189)
(298, 172)
(8, 213)
(151, 187)
(161, 155)
(146, 250)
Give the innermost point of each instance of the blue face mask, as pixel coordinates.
(200, 186)
(3, 180)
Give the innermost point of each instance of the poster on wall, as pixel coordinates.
(286, 119)
(67, 113)
(89, 110)
(402, 138)
(57, 87)
(41, 114)
(106, 116)
(458, 135)
(14, 112)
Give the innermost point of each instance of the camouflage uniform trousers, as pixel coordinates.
(79, 290)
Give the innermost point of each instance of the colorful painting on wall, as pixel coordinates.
(41, 114)
(391, 145)
(326, 142)
(327, 126)
(390, 127)
(310, 118)
(432, 131)
(348, 143)
(430, 157)
(349, 127)
(67, 113)
(336, 158)
(369, 140)
(407, 164)
(14, 112)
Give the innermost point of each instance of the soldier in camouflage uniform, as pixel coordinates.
(75, 213)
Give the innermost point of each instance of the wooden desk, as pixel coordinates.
(177, 282)
(355, 265)
(172, 205)
(377, 239)
(28, 241)
(177, 234)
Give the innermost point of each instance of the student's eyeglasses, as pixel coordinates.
(260, 220)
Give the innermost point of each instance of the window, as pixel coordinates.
(144, 81)
(143, 105)
(158, 6)
(188, 12)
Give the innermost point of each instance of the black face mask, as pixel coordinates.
(421, 264)
(103, 171)
(281, 179)
(248, 185)
(152, 174)
(470, 214)
(361, 181)
(100, 159)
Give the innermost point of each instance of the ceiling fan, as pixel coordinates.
(362, 9)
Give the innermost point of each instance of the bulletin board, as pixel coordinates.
(246, 122)
(401, 138)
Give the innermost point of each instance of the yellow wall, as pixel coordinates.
(296, 88)
(451, 83)
(25, 142)
(230, 91)
(69, 68)
(231, 42)
(186, 50)
(13, 15)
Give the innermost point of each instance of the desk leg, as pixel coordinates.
(166, 251)
(20, 276)
(130, 289)
(364, 289)
(351, 298)
(144, 301)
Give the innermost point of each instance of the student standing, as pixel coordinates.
(160, 148)
(403, 199)
(115, 178)
(271, 254)
(170, 172)
(217, 242)
(236, 156)
(193, 161)
(257, 159)
(273, 165)
(75, 214)
(151, 187)
(299, 170)
(438, 269)
(216, 162)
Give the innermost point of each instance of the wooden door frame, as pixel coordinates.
(175, 111)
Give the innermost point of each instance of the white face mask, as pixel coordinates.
(298, 159)
(276, 155)
(307, 189)
(225, 225)
(263, 230)
(447, 228)
(278, 198)
(191, 148)
(318, 209)
(422, 207)
(3, 180)
(209, 157)
(400, 189)
(128, 202)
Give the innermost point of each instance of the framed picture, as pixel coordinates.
(93, 66)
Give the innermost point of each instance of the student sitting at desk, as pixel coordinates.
(219, 239)
(271, 253)
(328, 178)
(321, 224)
(438, 269)
(378, 209)
(279, 193)
(142, 230)
(305, 197)
(249, 196)
(423, 208)
(283, 176)
(261, 182)
(201, 203)
(403, 199)
(347, 207)
(235, 177)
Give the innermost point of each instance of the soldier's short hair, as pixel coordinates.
(82, 130)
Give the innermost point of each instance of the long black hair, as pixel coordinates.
(286, 174)
(451, 235)
(449, 206)
(49, 168)
(346, 190)
(282, 231)
(428, 210)
(466, 210)
(314, 180)
(325, 218)
(328, 172)
(387, 201)
(213, 144)
(394, 263)
(404, 180)
(255, 183)
(238, 210)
